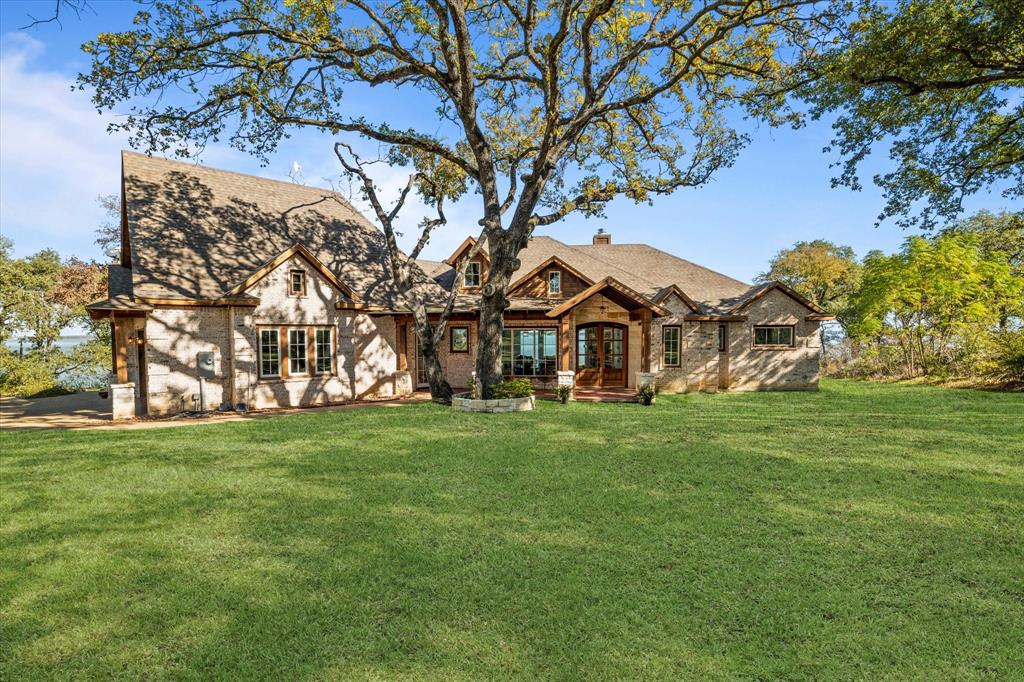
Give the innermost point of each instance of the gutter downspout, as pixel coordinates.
(231, 358)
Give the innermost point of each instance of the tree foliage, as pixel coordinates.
(936, 301)
(941, 83)
(825, 273)
(543, 108)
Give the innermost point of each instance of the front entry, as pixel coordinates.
(601, 352)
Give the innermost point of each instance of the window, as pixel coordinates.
(670, 346)
(296, 283)
(473, 274)
(459, 341)
(529, 352)
(324, 351)
(270, 353)
(297, 351)
(773, 336)
(721, 338)
(555, 282)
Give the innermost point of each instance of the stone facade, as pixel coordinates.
(365, 360)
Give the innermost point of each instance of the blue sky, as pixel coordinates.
(56, 157)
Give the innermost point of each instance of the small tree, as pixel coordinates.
(543, 108)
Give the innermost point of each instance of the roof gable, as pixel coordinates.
(759, 292)
(619, 293)
(297, 250)
(553, 260)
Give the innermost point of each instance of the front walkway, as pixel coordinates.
(596, 395)
(89, 411)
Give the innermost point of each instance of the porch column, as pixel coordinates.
(645, 340)
(120, 349)
(565, 332)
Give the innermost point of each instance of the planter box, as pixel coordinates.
(462, 402)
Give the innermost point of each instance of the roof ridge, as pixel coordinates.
(201, 166)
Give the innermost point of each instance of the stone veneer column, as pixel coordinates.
(122, 400)
(567, 378)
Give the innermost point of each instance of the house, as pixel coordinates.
(241, 289)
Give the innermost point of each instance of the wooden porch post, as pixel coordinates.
(645, 340)
(120, 350)
(565, 330)
(402, 341)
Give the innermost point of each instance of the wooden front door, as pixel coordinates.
(601, 352)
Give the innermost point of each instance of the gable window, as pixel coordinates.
(324, 351)
(297, 351)
(473, 274)
(270, 353)
(769, 336)
(721, 338)
(459, 341)
(670, 346)
(296, 283)
(555, 282)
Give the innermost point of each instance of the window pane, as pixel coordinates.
(460, 340)
(270, 363)
(786, 335)
(554, 282)
(670, 346)
(473, 275)
(323, 350)
(297, 351)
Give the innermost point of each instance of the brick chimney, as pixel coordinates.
(602, 237)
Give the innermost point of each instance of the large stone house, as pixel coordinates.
(249, 290)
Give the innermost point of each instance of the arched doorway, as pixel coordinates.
(602, 349)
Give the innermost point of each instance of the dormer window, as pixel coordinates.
(473, 274)
(554, 282)
(297, 283)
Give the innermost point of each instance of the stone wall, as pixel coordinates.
(698, 351)
(365, 359)
(795, 368)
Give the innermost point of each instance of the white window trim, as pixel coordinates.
(276, 332)
(550, 274)
(478, 272)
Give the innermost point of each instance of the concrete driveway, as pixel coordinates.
(89, 411)
(77, 410)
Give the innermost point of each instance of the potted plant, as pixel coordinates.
(563, 393)
(645, 394)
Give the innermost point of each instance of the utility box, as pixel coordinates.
(206, 363)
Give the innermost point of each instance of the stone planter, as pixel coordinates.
(463, 402)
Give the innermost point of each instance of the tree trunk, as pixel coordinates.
(440, 389)
(488, 353)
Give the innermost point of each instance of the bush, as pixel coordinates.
(24, 376)
(1007, 358)
(516, 388)
(645, 394)
(563, 392)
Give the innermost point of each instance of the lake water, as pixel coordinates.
(86, 377)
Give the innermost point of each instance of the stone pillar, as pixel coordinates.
(403, 383)
(122, 400)
(567, 378)
(644, 378)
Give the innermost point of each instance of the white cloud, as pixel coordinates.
(55, 155)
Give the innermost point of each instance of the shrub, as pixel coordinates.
(1007, 358)
(645, 394)
(516, 388)
(563, 392)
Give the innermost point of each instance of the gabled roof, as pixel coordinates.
(759, 291)
(616, 291)
(671, 289)
(466, 245)
(554, 260)
(196, 233)
(283, 257)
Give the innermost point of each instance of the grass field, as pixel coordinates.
(865, 531)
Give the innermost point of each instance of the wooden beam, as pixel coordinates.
(120, 351)
(565, 332)
(645, 341)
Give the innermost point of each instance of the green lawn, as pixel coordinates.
(866, 531)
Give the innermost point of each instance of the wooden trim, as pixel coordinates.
(715, 318)
(283, 257)
(786, 290)
(197, 302)
(553, 260)
(366, 307)
(645, 342)
(607, 283)
(402, 339)
(467, 243)
(819, 318)
(451, 339)
(673, 289)
(679, 345)
(121, 350)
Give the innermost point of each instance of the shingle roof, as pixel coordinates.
(643, 268)
(196, 232)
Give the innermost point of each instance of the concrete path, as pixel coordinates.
(89, 411)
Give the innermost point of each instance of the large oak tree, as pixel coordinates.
(543, 108)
